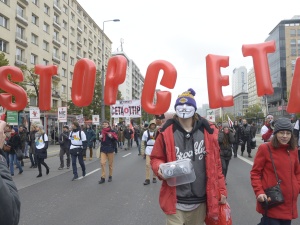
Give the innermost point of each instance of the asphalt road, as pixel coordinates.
(55, 200)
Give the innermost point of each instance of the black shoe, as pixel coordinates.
(101, 181)
(139, 154)
(47, 170)
(39, 175)
(60, 168)
(242, 153)
(20, 172)
(83, 173)
(249, 156)
(109, 179)
(31, 166)
(35, 166)
(154, 180)
(147, 181)
(75, 177)
(235, 156)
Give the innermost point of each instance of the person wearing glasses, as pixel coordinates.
(282, 150)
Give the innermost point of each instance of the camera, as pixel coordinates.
(272, 124)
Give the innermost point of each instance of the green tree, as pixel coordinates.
(3, 60)
(253, 113)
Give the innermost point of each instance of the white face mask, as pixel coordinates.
(185, 111)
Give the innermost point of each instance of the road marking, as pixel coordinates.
(79, 178)
(126, 155)
(245, 160)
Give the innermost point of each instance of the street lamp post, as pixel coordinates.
(103, 70)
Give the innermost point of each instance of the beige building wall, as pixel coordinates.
(51, 32)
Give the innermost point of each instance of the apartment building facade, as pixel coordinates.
(51, 32)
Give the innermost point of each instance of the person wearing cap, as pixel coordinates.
(148, 140)
(77, 148)
(41, 146)
(108, 138)
(189, 136)
(282, 150)
(64, 143)
(267, 129)
(15, 143)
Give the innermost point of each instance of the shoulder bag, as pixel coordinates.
(274, 193)
(6, 148)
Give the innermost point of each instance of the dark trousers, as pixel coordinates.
(225, 164)
(246, 141)
(61, 156)
(235, 149)
(33, 159)
(271, 221)
(40, 162)
(81, 162)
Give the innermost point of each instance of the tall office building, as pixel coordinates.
(282, 62)
(240, 90)
(133, 85)
(51, 32)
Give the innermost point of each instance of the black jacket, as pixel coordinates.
(15, 143)
(64, 140)
(9, 197)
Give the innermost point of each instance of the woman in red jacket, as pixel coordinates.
(284, 152)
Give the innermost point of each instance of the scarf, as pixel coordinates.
(104, 132)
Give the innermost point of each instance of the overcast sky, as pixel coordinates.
(185, 32)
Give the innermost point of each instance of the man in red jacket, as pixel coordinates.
(189, 136)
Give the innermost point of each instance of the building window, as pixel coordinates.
(56, 18)
(55, 52)
(34, 39)
(72, 61)
(64, 40)
(20, 11)
(56, 35)
(72, 31)
(72, 46)
(33, 59)
(63, 72)
(63, 89)
(293, 42)
(32, 100)
(4, 1)
(54, 103)
(292, 32)
(3, 46)
(46, 46)
(65, 25)
(71, 75)
(36, 2)
(35, 19)
(72, 17)
(20, 54)
(84, 42)
(45, 62)
(64, 56)
(46, 27)
(20, 32)
(3, 21)
(47, 9)
(65, 9)
(85, 29)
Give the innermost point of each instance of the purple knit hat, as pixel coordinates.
(186, 97)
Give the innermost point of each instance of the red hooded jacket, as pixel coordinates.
(164, 151)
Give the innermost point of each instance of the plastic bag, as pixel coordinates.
(224, 216)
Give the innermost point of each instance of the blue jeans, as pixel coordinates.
(74, 165)
(138, 143)
(12, 160)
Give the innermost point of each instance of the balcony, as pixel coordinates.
(79, 43)
(57, 8)
(24, 1)
(6, 2)
(56, 78)
(56, 41)
(21, 17)
(91, 38)
(78, 56)
(55, 94)
(20, 39)
(56, 24)
(90, 51)
(20, 61)
(79, 29)
(56, 58)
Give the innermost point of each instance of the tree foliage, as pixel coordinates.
(3, 61)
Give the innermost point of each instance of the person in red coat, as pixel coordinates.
(283, 148)
(189, 136)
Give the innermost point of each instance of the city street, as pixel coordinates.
(54, 199)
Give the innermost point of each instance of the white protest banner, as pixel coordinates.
(95, 119)
(80, 119)
(62, 114)
(126, 108)
(35, 115)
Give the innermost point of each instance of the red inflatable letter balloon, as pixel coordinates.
(12, 89)
(261, 65)
(115, 75)
(215, 81)
(163, 97)
(83, 85)
(46, 73)
(293, 104)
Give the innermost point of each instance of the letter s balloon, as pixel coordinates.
(12, 89)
